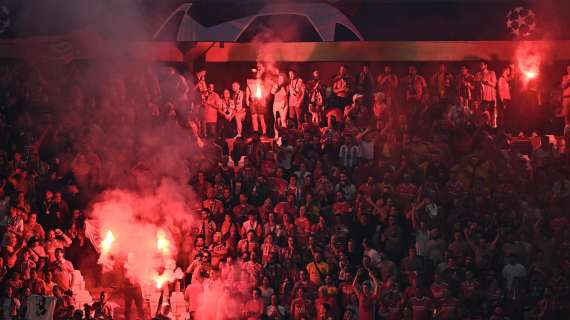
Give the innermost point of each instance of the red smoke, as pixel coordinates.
(142, 231)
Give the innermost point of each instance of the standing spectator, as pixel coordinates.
(318, 269)
(211, 107)
(415, 92)
(103, 309)
(296, 89)
(387, 83)
(33, 229)
(226, 114)
(465, 86)
(441, 83)
(62, 270)
(316, 94)
(240, 112)
(367, 296)
(340, 89)
(365, 83)
(280, 103)
(504, 97)
(487, 83)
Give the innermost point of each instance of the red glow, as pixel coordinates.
(529, 60)
(530, 75)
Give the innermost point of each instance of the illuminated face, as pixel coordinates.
(235, 87)
(226, 94)
(483, 66)
(292, 75)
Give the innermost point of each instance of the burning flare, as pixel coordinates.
(162, 243)
(107, 243)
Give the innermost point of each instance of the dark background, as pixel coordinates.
(377, 20)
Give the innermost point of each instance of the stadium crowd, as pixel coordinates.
(378, 197)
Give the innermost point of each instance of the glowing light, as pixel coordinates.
(258, 91)
(107, 242)
(530, 74)
(162, 243)
(529, 59)
(160, 280)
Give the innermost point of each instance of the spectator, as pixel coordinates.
(62, 270)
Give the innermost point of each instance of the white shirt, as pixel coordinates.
(504, 89)
(488, 91)
(510, 272)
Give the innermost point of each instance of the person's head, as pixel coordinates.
(506, 72)
(211, 88)
(300, 292)
(226, 94)
(412, 70)
(342, 70)
(366, 244)
(274, 300)
(217, 238)
(457, 236)
(103, 296)
(210, 193)
(235, 86)
(483, 66)
(252, 216)
(339, 196)
(316, 74)
(291, 241)
(269, 238)
(51, 235)
(255, 293)
(442, 68)
(366, 289)
(281, 79)
(365, 67)
(317, 256)
(387, 69)
(205, 214)
(243, 198)
(265, 281)
(464, 70)
(302, 275)
(57, 197)
(59, 254)
(57, 291)
(292, 74)
(251, 235)
(9, 291)
(14, 211)
(199, 242)
(33, 273)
